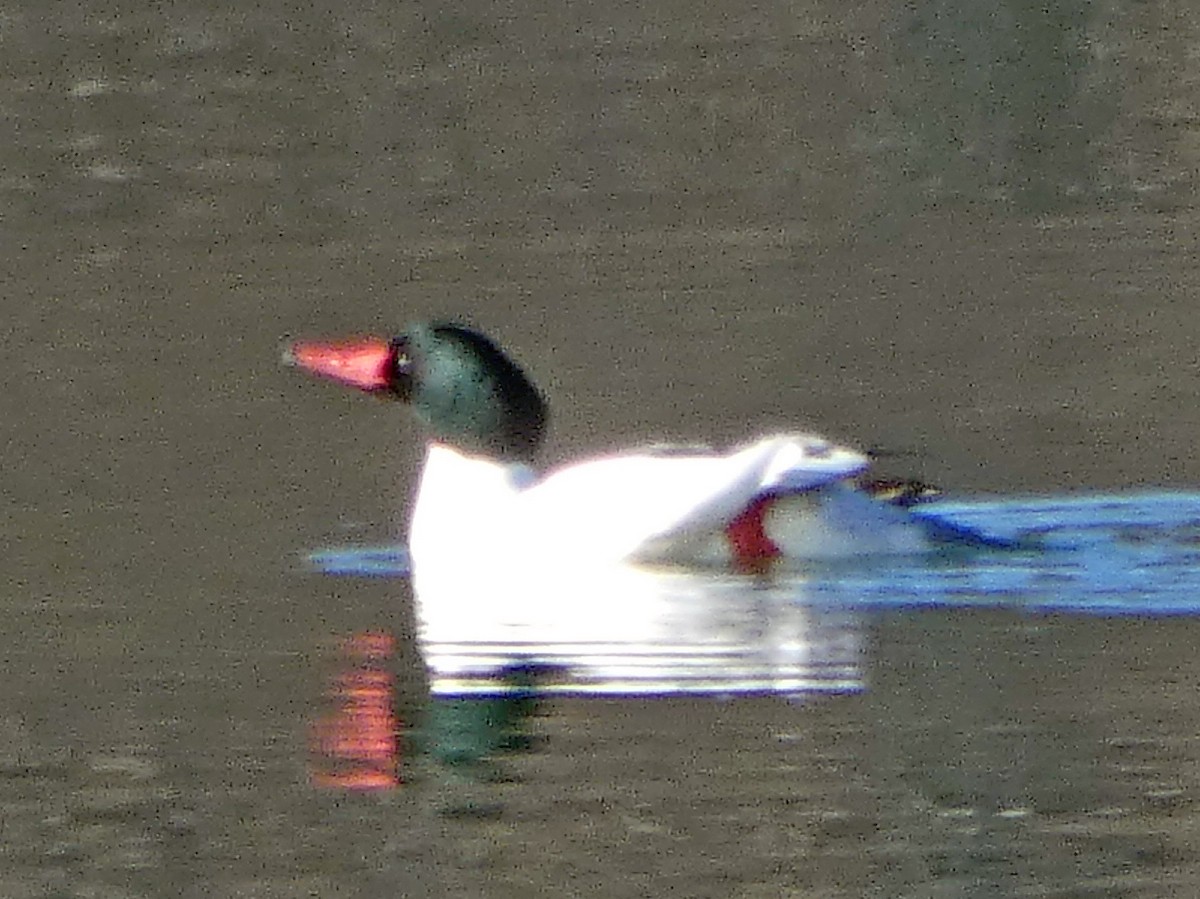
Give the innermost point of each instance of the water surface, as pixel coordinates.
(963, 240)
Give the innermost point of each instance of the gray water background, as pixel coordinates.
(962, 237)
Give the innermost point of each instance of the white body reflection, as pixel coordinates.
(626, 630)
(623, 630)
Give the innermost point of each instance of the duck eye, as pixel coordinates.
(400, 361)
(401, 365)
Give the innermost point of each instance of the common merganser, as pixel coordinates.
(481, 501)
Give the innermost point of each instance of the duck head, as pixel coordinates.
(462, 387)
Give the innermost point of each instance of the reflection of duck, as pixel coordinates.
(355, 744)
(623, 630)
(483, 505)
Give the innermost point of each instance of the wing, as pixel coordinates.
(612, 506)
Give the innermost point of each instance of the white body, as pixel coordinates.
(474, 515)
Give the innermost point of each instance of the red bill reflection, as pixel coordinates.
(356, 744)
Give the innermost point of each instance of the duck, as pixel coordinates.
(483, 503)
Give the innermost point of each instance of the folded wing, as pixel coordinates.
(614, 506)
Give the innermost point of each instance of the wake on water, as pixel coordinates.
(1108, 554)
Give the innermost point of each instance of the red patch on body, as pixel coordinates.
(752, 549)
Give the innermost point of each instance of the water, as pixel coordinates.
(964, 687)
(966, 244)
(669, 633)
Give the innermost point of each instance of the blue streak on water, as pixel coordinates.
(362, 561)
(1100, 554)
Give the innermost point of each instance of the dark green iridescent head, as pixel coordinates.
(467, 392)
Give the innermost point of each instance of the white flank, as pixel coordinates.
(475, 513)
